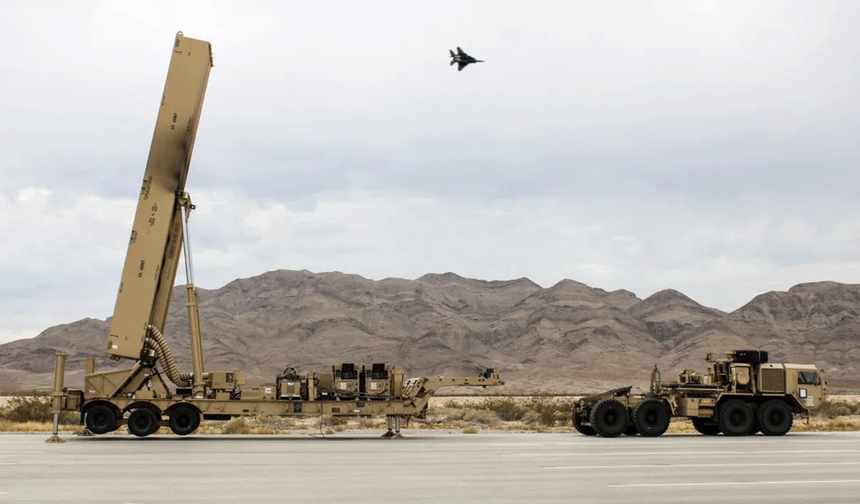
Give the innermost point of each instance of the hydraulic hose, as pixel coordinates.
(157, 341)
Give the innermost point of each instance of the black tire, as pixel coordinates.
(585, 430)
(142, 422)
(735, 418)
(754, 429)
(609, 418)
(101, 419)
(774, 418)
(706, 427)
(651, 417)
(184, 420)
(631, 430)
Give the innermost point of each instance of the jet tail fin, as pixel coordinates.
(452, 62)
(452, 53)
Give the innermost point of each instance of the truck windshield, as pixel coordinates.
(808, 378)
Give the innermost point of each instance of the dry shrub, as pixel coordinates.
(850, 423)
(530, 418)
(236, 426)
(10, 426)
(29, 409)
(507, 408)
(36, 409)
(332, 420)
(283, 420)
(550, 411)
(484, 417)
(470, 430)
(453, 404)
(69, 418)
(454, 413)
(843, 424)
(832, 408)
(370, 423)
(681, 425)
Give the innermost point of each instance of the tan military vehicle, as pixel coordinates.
(741, 394)
(140, 396)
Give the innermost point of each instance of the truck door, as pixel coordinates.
(810, 388)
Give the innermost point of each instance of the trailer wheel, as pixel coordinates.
(651, 418)
(706, 427)
(631, 430)
(101, 419)
(184, 420)
(142, 422)
(736, 418)
(585, 430)
(774, 418)
(609, 418)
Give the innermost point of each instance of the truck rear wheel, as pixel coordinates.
(585, 430)
(774, 418)
(142, 422)
(100, 419)
(706, 427)
(609, 418)
(184, 420)
(735, 418)
(651, 418)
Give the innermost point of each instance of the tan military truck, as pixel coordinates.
(741, 394)
(140, 396)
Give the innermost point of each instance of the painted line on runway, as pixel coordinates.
(687, 452)
(509, 444)
(663, 466)
(8, 463)
(735, 483)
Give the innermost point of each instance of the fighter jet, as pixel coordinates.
(462, 59)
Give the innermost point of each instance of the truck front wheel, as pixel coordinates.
(774, 418)
(735, 418)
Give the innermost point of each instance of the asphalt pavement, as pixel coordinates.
(432, 468)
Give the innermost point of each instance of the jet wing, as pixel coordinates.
(460, 52)
(461, 65)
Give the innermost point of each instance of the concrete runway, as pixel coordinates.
(432, 468)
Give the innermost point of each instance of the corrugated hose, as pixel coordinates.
(162, 349)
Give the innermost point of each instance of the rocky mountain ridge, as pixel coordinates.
(568, 337)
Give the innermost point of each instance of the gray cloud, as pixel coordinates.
(704, 146)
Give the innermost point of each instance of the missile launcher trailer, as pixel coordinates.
(140, 396)
(741, 394)
(109, 400)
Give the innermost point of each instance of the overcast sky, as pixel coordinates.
(709, 147)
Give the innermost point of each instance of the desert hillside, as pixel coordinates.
(569, 337)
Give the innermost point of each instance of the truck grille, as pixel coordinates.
(772, 380)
